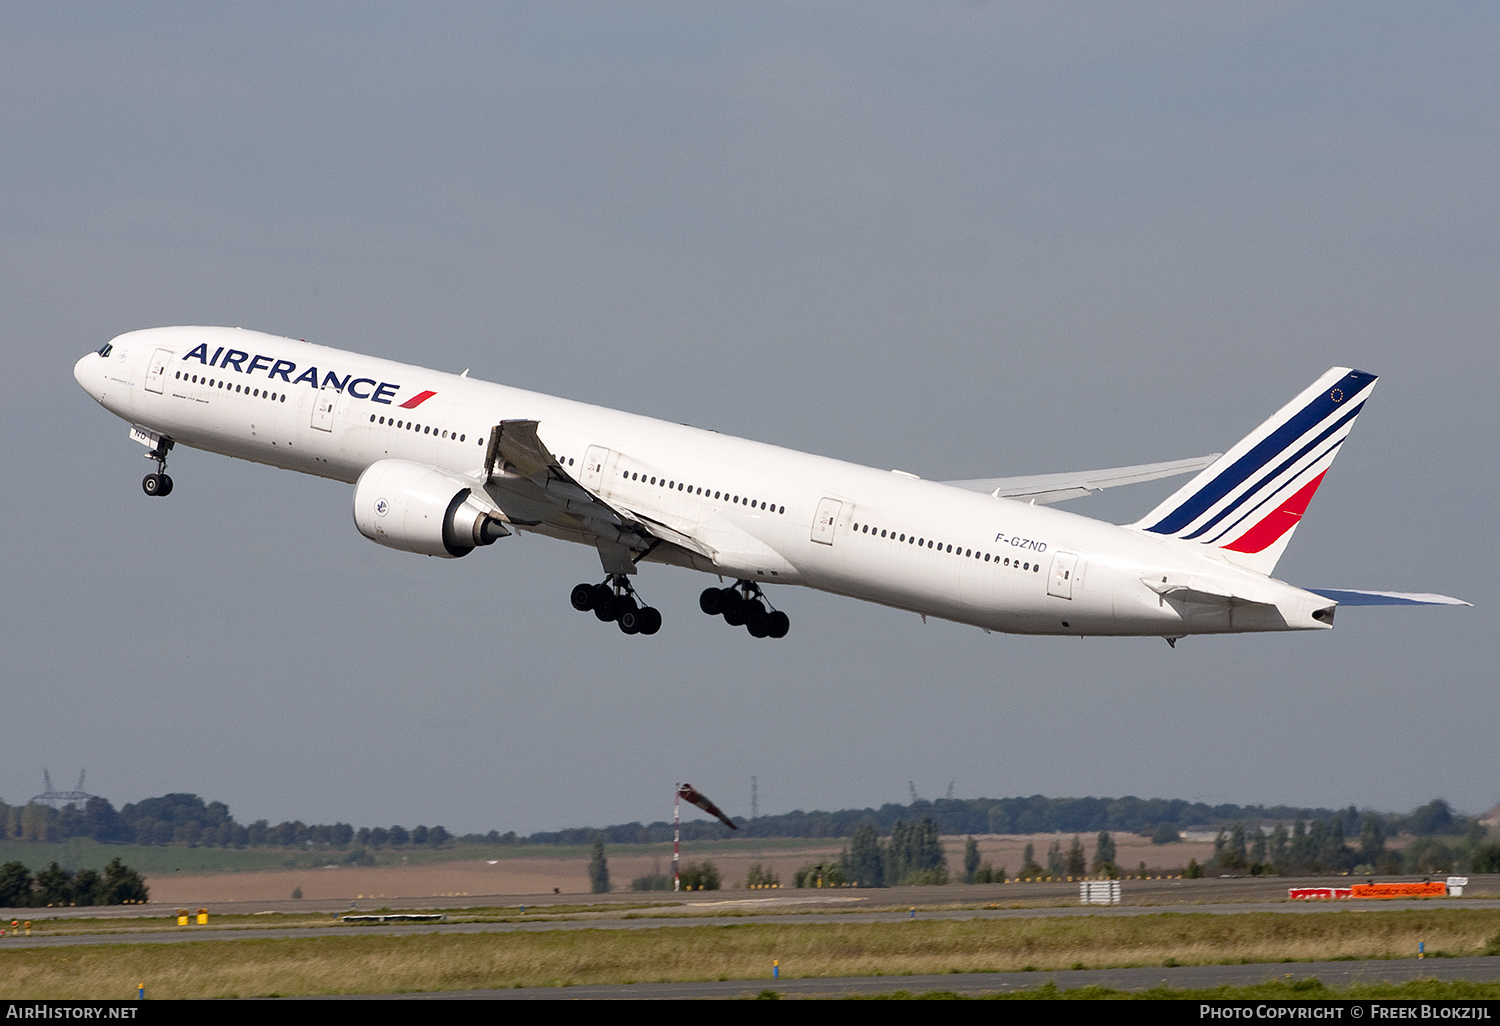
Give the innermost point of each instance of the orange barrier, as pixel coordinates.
(1429, 889)
(1317, 893)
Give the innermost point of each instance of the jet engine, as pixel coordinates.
(418, 508)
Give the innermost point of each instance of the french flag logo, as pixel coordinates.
(416, 400)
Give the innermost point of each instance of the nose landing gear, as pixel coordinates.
(744, 605)
(615, 600)
(158, 484)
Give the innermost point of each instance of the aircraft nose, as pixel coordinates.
(86, 373)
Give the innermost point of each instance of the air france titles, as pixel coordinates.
(243, 363)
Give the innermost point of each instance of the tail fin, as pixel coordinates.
(1247, 503)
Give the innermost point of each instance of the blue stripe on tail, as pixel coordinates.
(1267, 450)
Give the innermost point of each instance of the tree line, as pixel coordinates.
(1351, 841)
(913, 855)
(185, 819)
(56, 887)
(1331, 840)
(1034, 815)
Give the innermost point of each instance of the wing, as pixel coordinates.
(1041, 489)
(532, 487)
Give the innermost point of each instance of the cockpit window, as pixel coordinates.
(104, 350)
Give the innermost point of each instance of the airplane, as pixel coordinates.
(443, 464)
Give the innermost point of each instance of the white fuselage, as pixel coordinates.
(889, 538)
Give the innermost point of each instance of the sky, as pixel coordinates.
(961, 239)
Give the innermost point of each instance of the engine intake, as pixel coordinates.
(418, 508)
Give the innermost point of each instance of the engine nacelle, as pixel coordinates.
(418, 508)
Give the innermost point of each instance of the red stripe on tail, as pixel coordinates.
(1277, 523)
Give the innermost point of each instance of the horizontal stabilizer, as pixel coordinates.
(1041, 489)
(1203, 594)
(1387, 598)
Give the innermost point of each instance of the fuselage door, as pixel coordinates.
(594, 459)
(826, 519)
(1060, 583)
(156, 371)
(323, 407)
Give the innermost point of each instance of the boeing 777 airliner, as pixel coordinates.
(443, 464)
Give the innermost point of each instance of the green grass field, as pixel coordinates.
(364, 964)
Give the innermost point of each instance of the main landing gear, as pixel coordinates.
(615, 599)
(158, 484)
(744, 605)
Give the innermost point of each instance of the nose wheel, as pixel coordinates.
(744, 605)
(158, 484)
(615, 600)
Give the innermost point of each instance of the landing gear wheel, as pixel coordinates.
(757, 620)
(158, 484)
(744, 605)
(604, 607)
(615, 600)
(602, 602)
(629, 616)
(736, 609)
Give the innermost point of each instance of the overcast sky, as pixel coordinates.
(961, 239)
